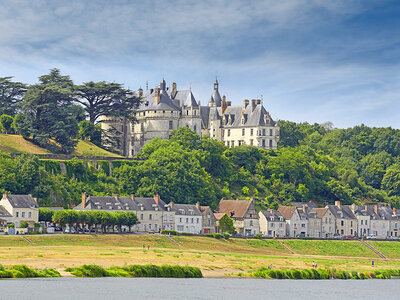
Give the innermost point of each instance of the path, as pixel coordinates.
(373, 249)
(28, 240)
(286, 247)
(171, 239)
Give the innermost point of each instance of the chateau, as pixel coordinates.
(164, 109)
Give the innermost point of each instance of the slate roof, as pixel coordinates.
(310, 204)
(238, 207)
(186, 209)
(184, 98)
(148, 103)
(273, 213)
(22, 201)
(344, 212)
(4, 213)
(205, 114)
(287, 211)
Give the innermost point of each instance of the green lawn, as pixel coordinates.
(389, 249)
(12, 143)
(330, 248)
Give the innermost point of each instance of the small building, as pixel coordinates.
(328, 222)
(209, 220)
(346, 221)
(243, 213)
(272, 223)
(296, 220)
(21, 208)
(188, 218)
(5, 217)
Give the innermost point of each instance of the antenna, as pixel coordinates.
(147, 85)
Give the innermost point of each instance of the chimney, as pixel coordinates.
(237, 199)
(173, 87)
(338, 204)
(376, 209)
(140, 92)
(353, 207)
(258, 101)
(157, 199)
(245, 103)
(35, 199)
(133, 197)
(83, 200)
(228, 103)
(253, 104)
(30, 195)
(305, 208)
(198, 205)
(394, 211)
(157, 96)
(5, 195)
(171, 204)
(223, 104)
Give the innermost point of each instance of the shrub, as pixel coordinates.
(217, 236)
(26, 271)
(88, 271)
(171, 232)
(226, 236)
(209, 235)
(258, 236)
(186, 233)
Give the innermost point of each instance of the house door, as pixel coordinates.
(206, 230)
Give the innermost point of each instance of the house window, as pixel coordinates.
(198, 221)
(271, 132)
(366, 222)
(251, 131)
(23, 215)
(150, 216)
(187, 220)
(251, 222)
(351, 223)
(16, 214)
(229, 132)
(263, 143)
(270, 143)
(251, 142)
(272, 224)
(362, 221)
(194, 128)
(180, 220)
(263, 132)
(342, 223)
(170, 125)
(141, 216)
(303, 225)
(29, 215)
(243, 131)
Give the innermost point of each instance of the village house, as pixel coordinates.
(363, 219)
(346, 221)
(328, 222)
(296, 220)
(243, 213)
(21, 208)
(314, 226)
(5, 217)
(381, 217)
(188, 218)
(394, 224)
(272, 223)
(209, 220)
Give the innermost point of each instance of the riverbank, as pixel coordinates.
(215, 258)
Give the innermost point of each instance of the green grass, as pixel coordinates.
(389, 249)
(12, 143)
(330, 248)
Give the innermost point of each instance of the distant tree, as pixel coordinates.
(89, 131)
(49, 114)
(6, 122)
(226, 224)
(105, 98)
(11, 94)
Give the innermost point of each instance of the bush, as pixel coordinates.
(209, 235)
(88, 271)
(171, 232)
(226, 236)
(217, 236)
(186, 233)
(258, 236)
(26, 271)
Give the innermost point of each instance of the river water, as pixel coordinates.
(206, 288)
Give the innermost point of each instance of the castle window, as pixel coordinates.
(155, 111)
(251, 142)
(163, 111)
(170, 125)
(243, 131)
(194, 112)
(263, 132)
(194, 127)
(271, 132)
(270, 143)
(251, 132)
(263, 143)
(187, 112)
(229, 132)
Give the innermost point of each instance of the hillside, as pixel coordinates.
(17, 144)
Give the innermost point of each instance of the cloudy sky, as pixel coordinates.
(311, 60)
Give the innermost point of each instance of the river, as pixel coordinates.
(206, 288)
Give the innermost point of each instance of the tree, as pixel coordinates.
(45, 215)
(6, 122)
(104, 98)
(11, 94)
(226, 224)
(49, 114)
(89, 131)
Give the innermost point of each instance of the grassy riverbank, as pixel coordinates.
(215, 258)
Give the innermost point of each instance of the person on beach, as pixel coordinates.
(373, 262)
(315, 265)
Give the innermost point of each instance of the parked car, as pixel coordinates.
(371, 237)
(70, 230)
(337, 236)
(57, 229)
(349, 237)
(300, 235)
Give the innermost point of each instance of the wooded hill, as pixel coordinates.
(313, 162)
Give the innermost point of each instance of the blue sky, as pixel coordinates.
(313, 61)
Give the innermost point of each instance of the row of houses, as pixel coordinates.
(299, 219)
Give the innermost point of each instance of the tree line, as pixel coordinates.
(81, 220)
(52, 113)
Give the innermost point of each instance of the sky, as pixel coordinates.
(309, 60)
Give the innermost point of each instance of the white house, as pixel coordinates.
(21, 208)
(188, 218)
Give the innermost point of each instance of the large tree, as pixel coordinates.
(11, 94)
(49, 114)
(105, 98)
